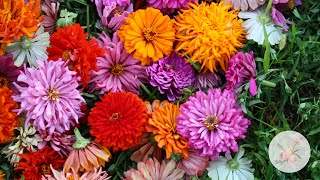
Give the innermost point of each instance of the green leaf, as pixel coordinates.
(255, 101)
(313, 132)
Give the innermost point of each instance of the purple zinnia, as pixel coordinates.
(114, 16)
(212, 122)
(207, 80)
(8, 72)
(242, 67)
(50, 96)
(171, 75)
(100, 4)
(118, 70)
(168, 6)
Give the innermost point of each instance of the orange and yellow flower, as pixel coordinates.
(163, 125)
(8, 119)
(2, 176)
(209, 34)
(18, 19)
(148, 34)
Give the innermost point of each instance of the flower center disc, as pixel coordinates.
(117, 69)
(115, 116)
(65, 55)
(3, 81)
(149, 34)
(45, 169)
(211, 122)
(53, 94)
(26, 43)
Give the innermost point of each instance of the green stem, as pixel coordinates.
(147, 91)
(81, 142)
(268, 9)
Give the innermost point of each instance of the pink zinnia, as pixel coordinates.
(168, 6)
(50, 96)
(118, 70)
(114, 16)
(8, 72)
(100, 4)
(195, 164)
(212, 122)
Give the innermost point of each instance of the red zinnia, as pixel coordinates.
(36, 164)
(71, 43)
(119, 120)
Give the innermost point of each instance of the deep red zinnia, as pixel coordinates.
(119, 120)
(71, 43)
(35, 164)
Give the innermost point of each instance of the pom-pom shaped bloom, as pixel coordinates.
(152, 169)
(50, 96)
(207, 80)
(50, 9)
(212, 122)
(118, 121)
(245, 5)
(242, 67)
(8, 119)
(93, 175)
(163, 125)
(168, 6)
(209, 34)
(71, 43)
(118, 70)
(171, 75)
(8, 72)
(194, 165)
(114, 16)
(148, 34)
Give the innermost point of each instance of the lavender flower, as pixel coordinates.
(168, 6)
(100, 4)
(8, 72)
(114, 16)
(279, 19)
(171, 75)
(207, 80)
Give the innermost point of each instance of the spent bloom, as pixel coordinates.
(8, 72)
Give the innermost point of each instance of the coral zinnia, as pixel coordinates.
(93, 175)
(212, 122)
(8, 119)
(71, 43)
(17, 19)
(148, 34)
(119, 120)
(195, 164)
(209, 34)
(35, 164)
(163, 125)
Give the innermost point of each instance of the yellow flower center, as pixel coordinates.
(149, 34)
(53, 94)
(65, 55)
(3, 81)
(211, 122)
(117, 11)
(115, 116)
(45, 169)
(291, 4)
(70, 177)
(117, 69)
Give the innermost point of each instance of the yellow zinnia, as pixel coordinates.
(209, 34)
(148, 34)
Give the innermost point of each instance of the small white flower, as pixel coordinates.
(30, 49)
(228, 168)
(254, 26)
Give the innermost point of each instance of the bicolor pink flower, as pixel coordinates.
(114, 16)
(207, 80)
(50, 9)
(195, 164)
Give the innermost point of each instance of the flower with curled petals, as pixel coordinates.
(93, 175)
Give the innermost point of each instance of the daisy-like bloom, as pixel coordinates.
(168, 6)
(18, 19)
(30, 49)
(212, 122)
(8, 119)
(209, 34)
(86, 155)
(242, 67)
(60, 142)
(101, 4)
(254, 26)
(229, 168)
(71, 43)
(163, 125)
(8, 72)
(118, 121)
(148, 34)
(50, 97)
(118, 70)
(93, 175)
(194, 165)
(35, 164)
(152, 169)
(245, 5)
(50, 9)
(171, 75)
(207, 80)
(114, 16)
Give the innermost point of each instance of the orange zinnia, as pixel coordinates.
(163, 125)
(148, 34)
(17, 19)
(8, 119)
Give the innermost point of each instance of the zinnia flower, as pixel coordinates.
(245, 5)
(35, 164)
(8, 119)
(212, 122)
(30, 49)
(171, 75)
(229, 168)
(163, 125)
(284, 5)
(101, 4)
(194, 165)
(71, 43)
(207, 80)
(8, 72)
(114, 16)
(168, 6)
(148, 34)
(86, 155)
(118, 121)
(209, 34)
(50, 96)
(18, 19)
(152, 169)
(279, 19)
(242, 67)
(118, 70)
(93, 175)
(50, 9)
(155, 105)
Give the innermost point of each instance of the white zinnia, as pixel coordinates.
(30, 49)
(254, 26)
(228, 168)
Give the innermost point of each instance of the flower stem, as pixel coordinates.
(81, 142)
(268, 9)
(147, 90)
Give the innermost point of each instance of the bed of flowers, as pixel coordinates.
(156, 89)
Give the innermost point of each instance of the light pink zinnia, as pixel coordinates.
(50, 9)
(195, 164)
(8, 72)
(118, 70)
(245, 5)
(152, 169)
(168, 6)
(50, 96)
(212, 122)
(113, 16)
